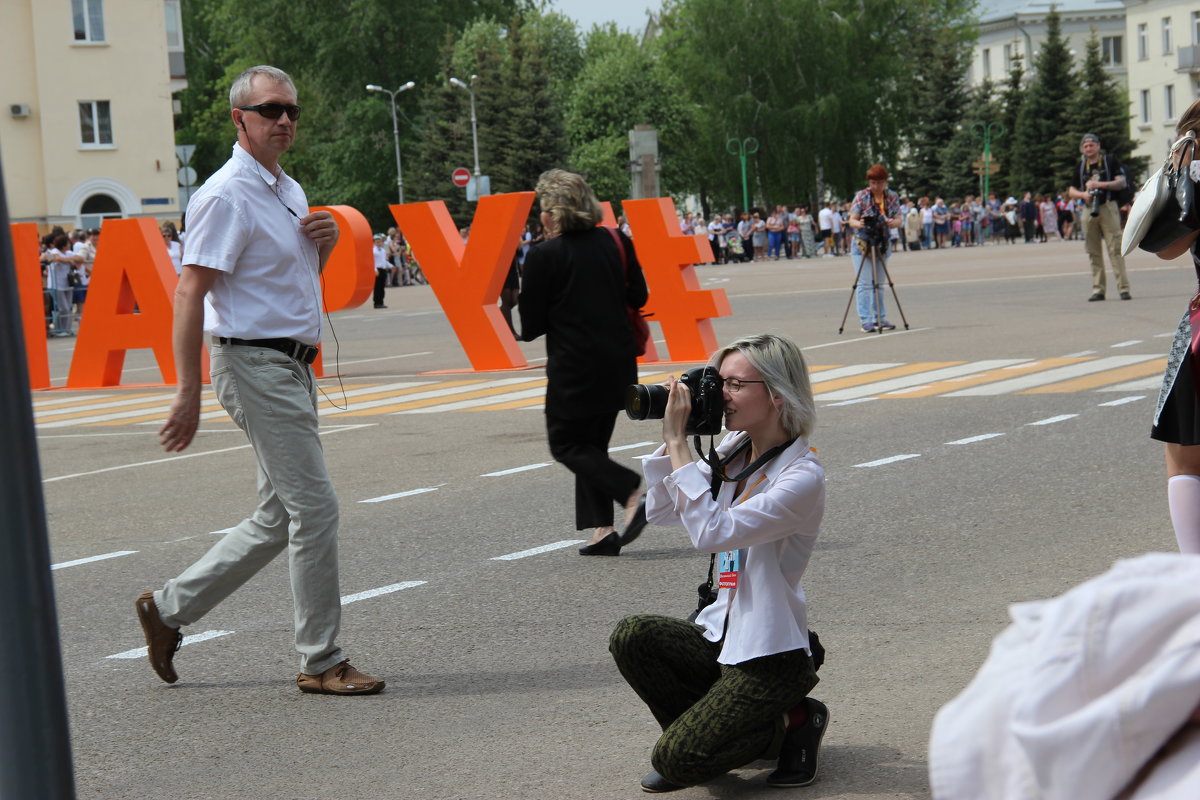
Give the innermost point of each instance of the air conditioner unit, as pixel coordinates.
(19, 109)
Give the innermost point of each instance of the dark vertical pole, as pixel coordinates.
(35, 745)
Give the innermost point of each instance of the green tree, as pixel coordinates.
(623, 84)
(1011, 100)
(1101, 107)
(958, 176)
(1043, 116)
(937, 101)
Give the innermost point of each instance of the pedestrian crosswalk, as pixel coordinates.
(832, 383)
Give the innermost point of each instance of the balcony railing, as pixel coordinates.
(1189, 59)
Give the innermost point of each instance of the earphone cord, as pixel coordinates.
(337, 345)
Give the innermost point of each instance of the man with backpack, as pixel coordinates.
(1099, 181)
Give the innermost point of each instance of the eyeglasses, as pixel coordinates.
(734, 385)
(274, 110)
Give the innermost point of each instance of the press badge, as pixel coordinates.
(730, 564)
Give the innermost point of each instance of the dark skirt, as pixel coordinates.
(1178, 419)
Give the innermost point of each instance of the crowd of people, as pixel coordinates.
(66, 260)
(928, 224)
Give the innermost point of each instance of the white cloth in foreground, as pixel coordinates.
(1080, 692)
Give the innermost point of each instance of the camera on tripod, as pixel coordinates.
(874, 231)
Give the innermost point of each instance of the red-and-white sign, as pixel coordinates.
(461, 176)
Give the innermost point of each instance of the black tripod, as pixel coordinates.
(876, 290)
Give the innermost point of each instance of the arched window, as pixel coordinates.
(97, 208)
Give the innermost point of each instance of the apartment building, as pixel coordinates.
(86, 112)
(1164, 69)
(1009, 29)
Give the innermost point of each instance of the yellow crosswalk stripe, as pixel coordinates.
(953, 384)
(433, 401)
(880, 375)
(1098, 379)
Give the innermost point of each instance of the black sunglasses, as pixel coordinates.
(274, 110)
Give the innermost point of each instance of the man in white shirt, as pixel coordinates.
(382, 269)
(251, 279)
(825, 222)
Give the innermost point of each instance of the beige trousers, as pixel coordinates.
(273, 399)
(1098, 233)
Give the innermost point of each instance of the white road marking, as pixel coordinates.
(1080, 354)
(847, 372)
(973, 439)
(853, 402)
(384, 358)
(90, 559)
(546, 548)
(331, 429)
(1164, 335)
(409, 493)
(849, 340)
(490, 400)
(525, 468)
(395, 587)
(889, 460)
(909, 381)
(1050, 376)
(1123, 400)
(1130, 343)
(1139, 385)
(141, 652)
(628, 446)
(1052, 420)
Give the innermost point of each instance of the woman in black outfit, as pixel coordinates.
(575, 290)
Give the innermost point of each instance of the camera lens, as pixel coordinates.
(646, 402)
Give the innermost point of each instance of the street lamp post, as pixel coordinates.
(395, 130)
(984, 132)
(741, 149)
(474, 129)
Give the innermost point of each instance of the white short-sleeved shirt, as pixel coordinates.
(239, 223)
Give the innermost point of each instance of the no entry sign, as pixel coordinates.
(461, 176)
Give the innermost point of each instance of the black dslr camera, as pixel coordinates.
(708, 400)
(1097, 196)
(874, 231)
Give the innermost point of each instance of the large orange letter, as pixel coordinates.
(349, 274)
(678, 304)
(467, 278)
(609, 220)
(132, 270)
(33, 307)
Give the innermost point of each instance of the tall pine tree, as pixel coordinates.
(1044, 115)
(1011, 100)
(958, 177)
(1101, 107)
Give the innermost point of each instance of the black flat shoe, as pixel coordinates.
(798, 756)
(608, 546)
(655, 784)
(635, 526)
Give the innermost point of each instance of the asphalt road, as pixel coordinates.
(499, 681)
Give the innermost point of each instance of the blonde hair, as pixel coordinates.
(785, 374)
(568, 200)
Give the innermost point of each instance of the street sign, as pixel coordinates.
(992, 169)
(461, 176)
(993, 165)
(478, 187)
(184, 153)
(187, 176)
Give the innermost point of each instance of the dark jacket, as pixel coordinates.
(575, 293)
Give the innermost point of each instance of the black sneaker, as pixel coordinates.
(798, 755)
(1095, 297)
(657, 784)
(1126, 296)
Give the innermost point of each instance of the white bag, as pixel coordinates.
(1150, 200)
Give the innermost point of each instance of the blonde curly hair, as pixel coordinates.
(568, 200)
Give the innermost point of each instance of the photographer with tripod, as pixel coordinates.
(1098, 181)
(873, 213)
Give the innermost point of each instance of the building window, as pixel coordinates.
(1145, 106)
(1110, 51)
(1169, 103)
(174, 26)
(89, 20)
(95, 123)
(1168, 48)
(1008, 59)
(1196, 28)
(1143, 44)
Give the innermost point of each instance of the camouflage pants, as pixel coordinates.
(715, 717)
